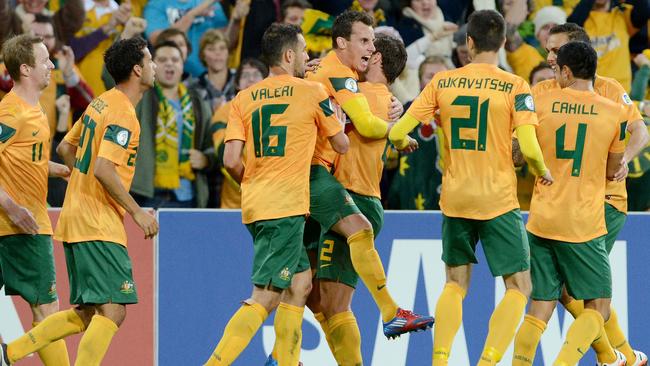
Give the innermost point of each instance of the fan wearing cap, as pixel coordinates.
(523, 57)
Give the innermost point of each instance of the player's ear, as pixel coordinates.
(289, 55)
(341, 43)
(137, 70)
(376, 58)
(25, 70)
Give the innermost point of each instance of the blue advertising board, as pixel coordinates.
(204, 265)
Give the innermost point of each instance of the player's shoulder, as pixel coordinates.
(611, 89)
(11, 105)
(543, 87)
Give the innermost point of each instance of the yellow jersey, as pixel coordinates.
(615, 192)
(577, 130)
(230, 196)
(108, 129)
(24, 158)
(480, 105)
(342, 85)
(360, 168)
(278, 119)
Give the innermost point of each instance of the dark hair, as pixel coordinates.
(302, 4)
(172, 32)
(122, 56)
(580, 58)
(573, 32)
(393, 56)
(17, 51)
(541, 66)
(487, 28)
(343, 23)
(162, 44)
(42, 18)
(251, 62)
(276, 39)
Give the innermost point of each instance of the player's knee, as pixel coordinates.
(42, 311)
(521, 282)
(114, 312)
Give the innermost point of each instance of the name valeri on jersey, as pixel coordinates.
(478, 83)
(266, 93)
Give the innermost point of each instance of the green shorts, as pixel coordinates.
(582, 267)
(279, 251)
(334, 262)
(615, 220)
(329, 202)
(503, 238)
(100, 273)
(27, 267)
(312, 234)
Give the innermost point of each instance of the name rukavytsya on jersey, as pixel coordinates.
(472, 83)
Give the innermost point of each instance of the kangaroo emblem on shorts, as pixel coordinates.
(127, 287)
(285, 274)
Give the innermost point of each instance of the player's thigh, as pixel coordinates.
(27, 265)
(615, 220)
(459, 239)
(279, 252)
(505, 243)
(372, 209)
(544, 270)
(329, 200)
(100, 272)
(585, 269)
(334, 261)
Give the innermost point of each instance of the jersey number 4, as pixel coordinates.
(263, 131)
(478, 115)
(576, 153)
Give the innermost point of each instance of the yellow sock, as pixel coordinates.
(323, 324)
(604, 350)
(526, 341)
(346, 339)
(54, 354)
(584, 330)
(617, 338)
(53, 328)
(575, 307)
(449, 317)
(503, 325)
(367, 263)
(238, 333)
(95, 341)
(288, 334)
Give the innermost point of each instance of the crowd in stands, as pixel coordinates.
(206, 51)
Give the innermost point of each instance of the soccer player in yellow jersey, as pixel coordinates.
(26, 259)
(101, 147)
(480, 105)
(276, 122)
(331, 205)
(359, 171)
(615, 192)
(582, 135)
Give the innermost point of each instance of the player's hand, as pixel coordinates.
(411, 147)
(147, 223)
(58, 170)
(395, 109)
(198, 160)
(133, 27)
(546, 179)
(22, 218)
(622, 172)
(312, 65)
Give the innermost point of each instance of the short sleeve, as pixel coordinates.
(73, 136)
(523, 106)
(326, 120)
(343, 85)
(9, 127)
(235, 129)
(618, 142)
(426, 104)
(116, 138)
(631, 110)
